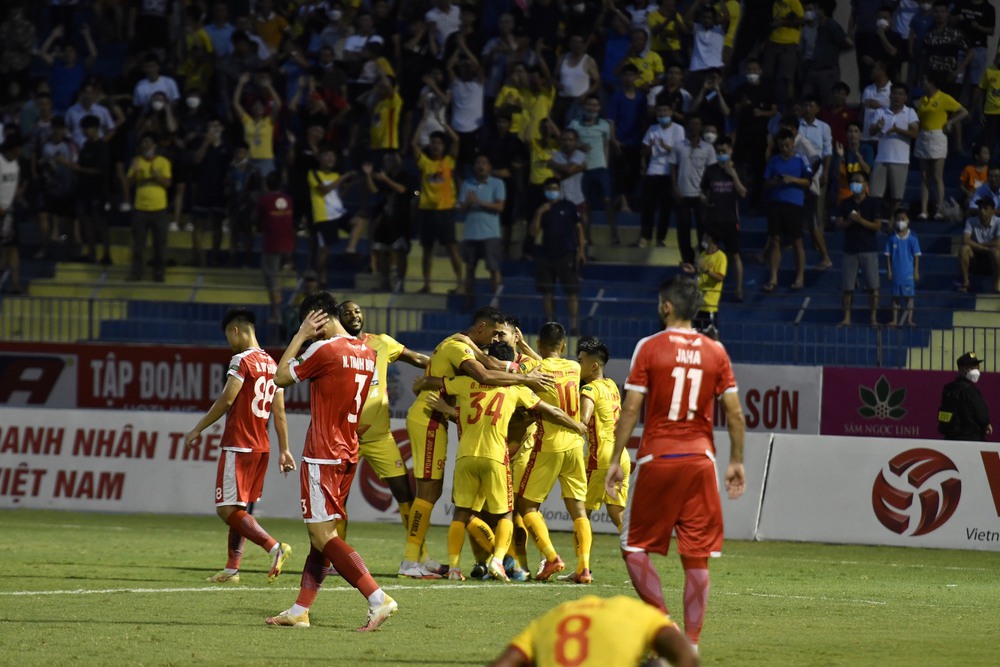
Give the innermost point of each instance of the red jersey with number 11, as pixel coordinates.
(246, 420)
(341, 370)
(681, 372)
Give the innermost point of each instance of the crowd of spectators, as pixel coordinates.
(387, 119)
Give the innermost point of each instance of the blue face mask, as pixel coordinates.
(664, 121)
(552, 195)
(857, 188)
(723, 157)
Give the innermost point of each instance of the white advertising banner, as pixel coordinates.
(921, 493)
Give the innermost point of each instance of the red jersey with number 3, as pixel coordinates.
(681, 372)
(341, 370)
(246, 421)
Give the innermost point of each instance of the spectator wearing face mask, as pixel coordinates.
(963, 414)
(858, 217)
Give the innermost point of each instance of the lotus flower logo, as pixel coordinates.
(881, 402)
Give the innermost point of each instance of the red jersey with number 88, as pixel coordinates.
(341, 370)
(246, 420)
(681, 372)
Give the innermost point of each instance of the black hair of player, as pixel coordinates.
(552, 335)
(683, 294)
(511, 319)
(501, 350)
(594, 346)
(321, 301)
(238, 316)
(488, 314)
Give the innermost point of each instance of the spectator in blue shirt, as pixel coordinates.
(482, 200)
(786, 177)
(902, 255)
(627, 110)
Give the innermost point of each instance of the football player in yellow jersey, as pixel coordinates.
(375, 440)
(482, 474)
(557, 453)
(590, 632)
(428, 431)
(600, 405)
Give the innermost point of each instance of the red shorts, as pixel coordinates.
(239, 478)
(324, 488)
(671, 494)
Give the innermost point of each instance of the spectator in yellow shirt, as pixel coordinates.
(666, 28)
(711, 270)
(644, 59)
(258, 125)
(781, 55)
(269, 25)
(437, 201)
(150, 175)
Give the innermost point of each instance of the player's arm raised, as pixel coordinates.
(735, 475)
(219, 408)
(623, 432)
(286, 462)
(311, 325)
(414, 358)
(536, 379)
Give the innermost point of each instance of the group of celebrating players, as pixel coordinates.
(525, 419)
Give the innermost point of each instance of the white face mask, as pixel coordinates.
(193, 102)
(809, 15)
(901, 225)
(335, 14)
(157, 105)
(710, 137)
(753, 78)
(973, 375)
(926, 6)
(579, 7)
(882, 23)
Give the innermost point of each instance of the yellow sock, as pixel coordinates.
(505, 532)
(539, 532)
(404, 514)
(456, 538)
(420, 521)
(520, 542)
(482, 555)
(583, 536)
(341, 525)
(481, 533)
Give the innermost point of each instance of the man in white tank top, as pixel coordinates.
(578, 77)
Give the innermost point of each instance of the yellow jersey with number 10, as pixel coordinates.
(483, 414)
(565, 395)
(374, 421)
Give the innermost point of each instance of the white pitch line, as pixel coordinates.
(917, 566)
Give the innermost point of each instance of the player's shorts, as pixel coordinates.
(429, 446)
(324, 488)
(544, 468)
(482, 480)
(904, 288)
(239, 478)
(596, 495)
(383, 456)
(679, 493)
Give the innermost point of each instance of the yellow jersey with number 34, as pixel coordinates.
(483, 414)
(445, 361)
(374, 421)
(601, 429)
(590, 632)
(565, 395)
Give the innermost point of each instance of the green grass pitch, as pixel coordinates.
(100, 589)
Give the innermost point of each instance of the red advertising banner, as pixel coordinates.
(885, 403)
(128, 377)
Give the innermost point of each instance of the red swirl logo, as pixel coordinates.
(375, 491)
(916, 492)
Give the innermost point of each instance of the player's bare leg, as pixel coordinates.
(242, 526)
(328, 544)
(615, 514)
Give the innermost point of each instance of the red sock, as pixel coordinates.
(349, 565)
(313, 573)
(247, 526)
(695, 595)
(236, 542)
(645, 579)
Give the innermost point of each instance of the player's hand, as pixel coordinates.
(613, 480)
(539, 381)
(418, 384)
(286, 463)
(190, 437)
(314, 323)
(735, 480)
(580, 429)
(989, 429)
(437, 403)
(888, 275)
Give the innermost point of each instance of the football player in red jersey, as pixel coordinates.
(340, 369)
(679, 373)
(248, 400)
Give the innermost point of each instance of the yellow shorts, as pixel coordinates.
(482, 481)
(383, 456)
(544, 468)
(595, 488)
(428, 446)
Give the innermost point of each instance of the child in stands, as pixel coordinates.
(902, 253)
(974, 174)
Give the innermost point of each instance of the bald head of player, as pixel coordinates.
(552, 340)
(323, 302)
(352, 318)
(239, 326)
(593, 355)
(486, 325)
(679, 302)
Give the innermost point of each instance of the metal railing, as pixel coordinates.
(790, 340)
